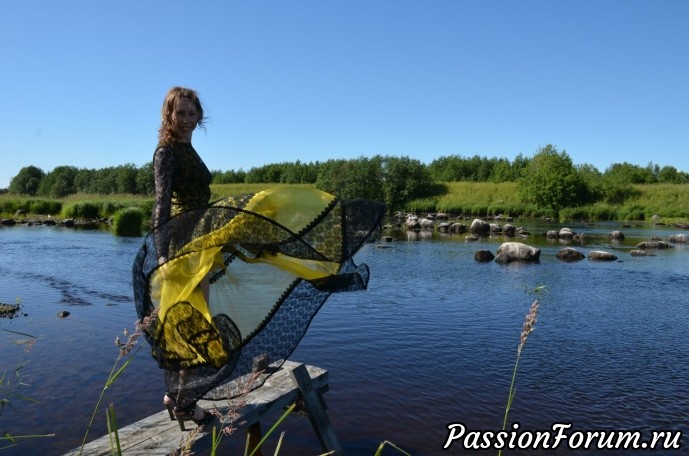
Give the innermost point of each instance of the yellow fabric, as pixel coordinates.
(293, 208)
(306, 269)
(177, 281)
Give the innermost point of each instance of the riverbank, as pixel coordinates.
(661, 203)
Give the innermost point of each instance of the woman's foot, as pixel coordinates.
(169, 403)
(194, 413)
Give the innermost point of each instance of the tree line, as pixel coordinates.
(549, 178)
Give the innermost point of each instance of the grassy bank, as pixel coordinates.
(78, 206)
(479, 199)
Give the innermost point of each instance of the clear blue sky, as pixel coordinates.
(605, 80)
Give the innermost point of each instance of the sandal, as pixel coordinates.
(188, 413)
(169, 403)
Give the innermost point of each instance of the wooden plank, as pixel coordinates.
(158, 435)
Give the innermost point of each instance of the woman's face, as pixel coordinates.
(185, 117)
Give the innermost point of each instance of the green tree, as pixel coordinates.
(59, 182)
(229, 177)
(593, 182)
(670, 175)
(404, 179)
(551, 181)
(519, 164)
(502, 171)
(300, 173)
(145, 184)
(352, 179)
(626, 173)
(271, 173)
(332, 176)
(83, 181)
(105, 181)
(27, 181)
(125, 178)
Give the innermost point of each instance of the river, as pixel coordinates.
(432, 342)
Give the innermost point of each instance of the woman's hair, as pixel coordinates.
(166, 132)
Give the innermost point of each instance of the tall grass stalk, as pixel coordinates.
(275, 425)
(14, 438)
(386, 442)
(527, 328)
(113, 432)
(7, 390)
(127, 351)
(114, 374)
(7, 384)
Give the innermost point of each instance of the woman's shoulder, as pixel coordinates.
(164, 146)
(164, 155)
(164, 149)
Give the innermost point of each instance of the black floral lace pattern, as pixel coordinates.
(182, 182)
(256, 308)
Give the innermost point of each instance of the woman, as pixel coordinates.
(295, 246)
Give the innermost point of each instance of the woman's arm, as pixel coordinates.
(164, 167)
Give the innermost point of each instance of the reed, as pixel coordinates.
(9, 385)
(527, 328)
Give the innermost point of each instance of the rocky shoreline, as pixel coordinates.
(49, 221)
(512, 251)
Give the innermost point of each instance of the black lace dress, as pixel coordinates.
(272, 259)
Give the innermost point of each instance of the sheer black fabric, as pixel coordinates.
(272, 260)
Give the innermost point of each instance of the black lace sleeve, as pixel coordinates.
(164, 168)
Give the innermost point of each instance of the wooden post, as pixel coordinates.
(260, 364)
(255, 436)
(314, 406)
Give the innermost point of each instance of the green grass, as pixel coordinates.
(478, 199)
(669, 201)
(128, 222)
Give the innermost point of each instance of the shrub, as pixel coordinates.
(44, 207)
(603, 213)
(631, 213)
(128, 222)
(575, 213)
(147, 206)
(422, 205)
(83, 210)
(109, 208)
(8, 206)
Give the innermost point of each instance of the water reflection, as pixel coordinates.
(432, 341)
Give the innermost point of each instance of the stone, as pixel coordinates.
(484, 256)
(479, 227)
(569, 254)
(517, 251)
(599, 255)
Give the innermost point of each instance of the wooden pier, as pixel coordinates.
(292, 382)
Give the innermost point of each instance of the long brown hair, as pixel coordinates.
(166, 132)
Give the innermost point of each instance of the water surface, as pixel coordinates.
(433, 341)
